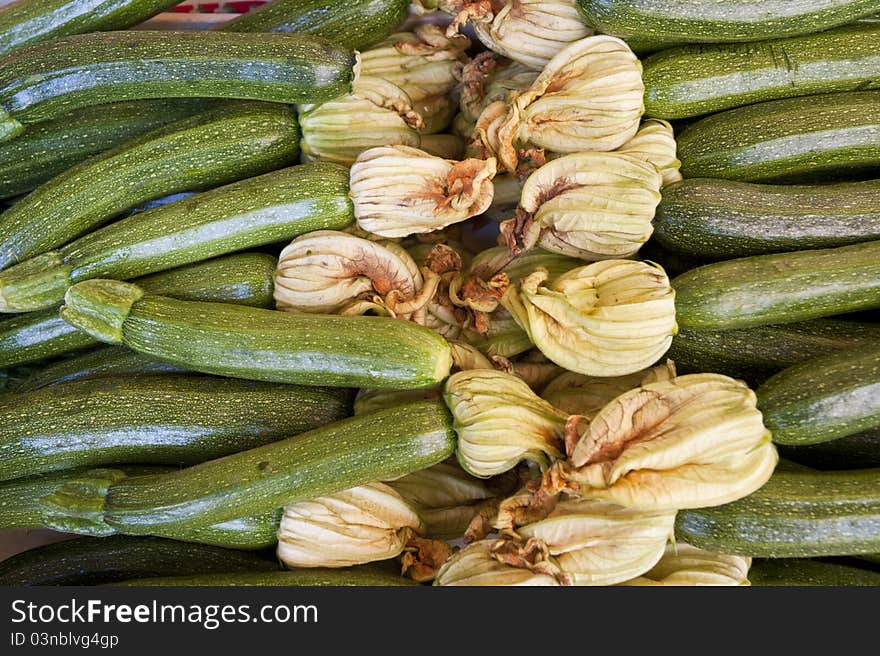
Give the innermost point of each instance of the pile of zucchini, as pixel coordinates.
(578, 292)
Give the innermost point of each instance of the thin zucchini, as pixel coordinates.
(859, 451)
(825, 398)
(723, 219)
(263, 210)
(780, 288)
(233, 141)
(695, 80)
(794, 515)
(40, 82)
(807, 572)
(804, 139)
(364, 575)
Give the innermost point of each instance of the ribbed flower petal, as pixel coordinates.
(684, 565)
(475, 565)
(655, 143)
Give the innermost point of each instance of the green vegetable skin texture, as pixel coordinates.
(233, 141)
(29, 21)
(270, 208)
(806, 572)
(355, 24)
(347, 576)
(805, 139)
(825, 398)
(52, 147)
(794, 515)
(859, 451)
(241, 278)
(710, 21)
(42, 81)
(94, 561)
(378, 446)
(779, 288)
(694, 80)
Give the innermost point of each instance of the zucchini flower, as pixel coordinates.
(608, 318)
(683, 564)
(488, 78)
(655, 143)
(447, 146)
(500, 421)
(591, 206)
(690, 442)
(476, 565)
(399, 191)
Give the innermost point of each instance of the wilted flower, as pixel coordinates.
(655, 143)
(476, 565)
(683, 564)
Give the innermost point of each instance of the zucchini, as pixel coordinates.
(30, 21)
(377, 446)
(779, 288)
(52, 147)
(233, 141)
(694, 80)
(93, 561)
(154, 420)
(755, 354)
(243, 342)
(353, 24)
(859, 451)
(722, 219)
(824, 398)
(804, 572)
(241, 278)
(804, 139)
(368, 575)
(39, 82)
(710, 21)
(258, 211)
(794, 515)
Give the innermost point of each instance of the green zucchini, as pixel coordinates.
(805, 139)
(694, 80)
(859, 451)
(29, 21)
(378, 446)
(807, 572)
(710, 21)
(824, 398)
(354, 24)
(52, 147)
(241, 278)
(233, 141)
(779, 288)
(722, 219)
(169, 419)
(755, 354)
(794, 515)
(39, 82)
(93, 561)
(366, 575)
(258, 211)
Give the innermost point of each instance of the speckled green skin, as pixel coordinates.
(694, 80)
(795, 515)
(347, 576)
(241, 278)
(755, 354)
(95, 561)
(236, 140)
(806, 572)
(805, 139)
(354, 24)
(824, 398)
(722, 219)
(52, 147)
(378, 446)
(780, 288)
(713, 21)
(42, 81)
(859, 451)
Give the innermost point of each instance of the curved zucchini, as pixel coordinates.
(694, 80)
(722, 219)
(779, 288)
(859, 451)
(710, 21)
(269, 208)
(368, 575)
(804, 139)
(794, 515)
(233, 141)
(832, 396)
(40, 82)
(806, 572)
(241, 278)
(352, 24)
(93, 561)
